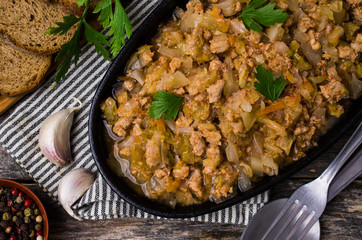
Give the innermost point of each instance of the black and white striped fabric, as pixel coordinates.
(19, 136)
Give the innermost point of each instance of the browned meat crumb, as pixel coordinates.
(197, 143)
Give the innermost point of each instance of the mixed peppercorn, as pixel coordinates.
(20, 217)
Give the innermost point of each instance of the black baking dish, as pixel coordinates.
(96, 128)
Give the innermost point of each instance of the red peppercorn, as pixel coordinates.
(27, 203)
(12, 237)
(10, 203)
(13, 209)
(8, 229)
(38, 233)
(18, 230)
(14, 191)
(20, 194)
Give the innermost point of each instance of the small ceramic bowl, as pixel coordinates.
(11, 184)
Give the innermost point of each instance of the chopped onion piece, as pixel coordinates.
(301, 36)
(171, 124)
(318, 79)
(246, 168)
(245, 105)
(165, 160)
(191, 20)
(180, 80)
(168, 52)
(184, 130)
(232, 152)
(323, 22)
(227, 7)
(127, 142)
(244, 182)
(340, 16)
(257, 147)
(167, 80)
(118, 86)
(237, 26)
(133, 62)
(335, 35)
(231, 84)
(257, 166)
(111, 133)
(269, 162)
(326, 11)
(312, 56)
(279, 129)
(281, 47)
(186, 62)
(249, 119)
(333, 72)
(137, 74)
(285, 143)
(178, 12)
(275, 32)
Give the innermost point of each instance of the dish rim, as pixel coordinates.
(31, 194)
(139, 36)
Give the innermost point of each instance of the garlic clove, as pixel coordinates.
(54, 136)
(72, 186)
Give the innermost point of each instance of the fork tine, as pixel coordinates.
(292, 223)
(288, 213)
(309, 225)
(299, 223)
(293, 215)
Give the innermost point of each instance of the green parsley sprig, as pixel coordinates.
(118, 22)
(266, 86)
(266, 16)
(167, 105)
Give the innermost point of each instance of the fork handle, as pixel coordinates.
(347, 175)
(351, 145)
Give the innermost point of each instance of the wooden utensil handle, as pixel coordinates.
(7, 102)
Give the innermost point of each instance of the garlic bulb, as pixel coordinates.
(54, 136)
(72, 186)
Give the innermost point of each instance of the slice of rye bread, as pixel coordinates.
(26, 21)
(20, 71)
(72, 5)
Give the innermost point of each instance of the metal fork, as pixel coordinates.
(308, 202)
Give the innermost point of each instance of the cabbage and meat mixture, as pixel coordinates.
(241, 102)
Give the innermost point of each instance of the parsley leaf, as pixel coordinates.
(63, 27)
(266, 86)
(98, 39)
(68, 51)
(265, 16)
(82, 2)
(167, 104)
(119, 25)
(104, 8)
(118, 22)
(71, 49)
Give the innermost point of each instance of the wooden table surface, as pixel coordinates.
(342, 218)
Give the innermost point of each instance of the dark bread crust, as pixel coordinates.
(72, 6)
(20, 71)
(26, 21)
(25, 49)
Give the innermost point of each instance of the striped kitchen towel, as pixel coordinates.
(19, 136)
